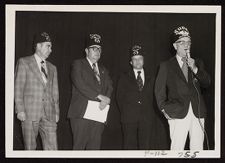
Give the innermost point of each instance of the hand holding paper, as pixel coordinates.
(104, 98)
(102, 105)
(96, 111)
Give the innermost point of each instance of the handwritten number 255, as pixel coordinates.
(188, 154)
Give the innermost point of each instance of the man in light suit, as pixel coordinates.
(90, 81)
(37, 96)
(135, 97)
(178, 93)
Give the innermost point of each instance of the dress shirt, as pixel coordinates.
(38, 60)
(179, 59)
(91, 64)
(142, 74)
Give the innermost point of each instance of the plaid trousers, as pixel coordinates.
(47, 130)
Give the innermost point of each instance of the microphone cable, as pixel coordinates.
(198, 94)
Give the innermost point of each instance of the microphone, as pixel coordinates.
(187, 57)
(190, 69)
(187, 54)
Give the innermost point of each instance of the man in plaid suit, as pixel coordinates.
(37, 96)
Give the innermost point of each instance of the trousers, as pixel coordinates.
(136, 135)
(87, 134)
(179, 128)
(47, 130)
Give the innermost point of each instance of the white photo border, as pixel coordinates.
(9, 81)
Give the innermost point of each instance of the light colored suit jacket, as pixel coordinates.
(32, 95)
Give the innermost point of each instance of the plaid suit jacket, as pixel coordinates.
(32, 95)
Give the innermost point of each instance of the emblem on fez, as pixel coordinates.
(136, 49)
(96, 37)
(181, 31)
(44, 34)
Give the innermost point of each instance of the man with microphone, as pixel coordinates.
(178, 93)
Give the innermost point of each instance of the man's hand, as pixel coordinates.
(104, 98)
(102, 105)
(191, 64)
(104, 101)
(21, 116)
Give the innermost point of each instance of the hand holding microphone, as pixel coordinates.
(191, 62)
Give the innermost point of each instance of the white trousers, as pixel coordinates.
(179, 129)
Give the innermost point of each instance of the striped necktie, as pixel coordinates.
(185, 68)
(139, 81)
(43, 69)
(97, 75)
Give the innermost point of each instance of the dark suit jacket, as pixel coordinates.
(173, 93)
(85, 86)
(133, 104)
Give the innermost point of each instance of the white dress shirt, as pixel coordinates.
(38, 60)
(91, 64)
(142, 74)
(179, 59)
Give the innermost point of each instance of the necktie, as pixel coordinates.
(43, 69)
(139, 81)
(96, 73)
(185, 68)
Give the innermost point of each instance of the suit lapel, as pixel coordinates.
(34, 67)
(147, 78)
(132, 78)
(90, 70)
(85, 61)
(50, 72)
(177, 69)
(190, 77)
(101, 72)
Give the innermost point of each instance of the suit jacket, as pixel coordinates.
(32, 95)
(174, 94)
(135, 105)
(85, 86)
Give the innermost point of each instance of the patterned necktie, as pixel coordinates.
(43, 69)
(96, 73)
(139, 81)
(185, 68)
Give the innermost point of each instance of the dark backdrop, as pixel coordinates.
(119, 32)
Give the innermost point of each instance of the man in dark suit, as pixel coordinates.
(37, 96)
(134, 96)
(178, 93)
(90, 81)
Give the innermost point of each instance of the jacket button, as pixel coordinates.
(139, 102)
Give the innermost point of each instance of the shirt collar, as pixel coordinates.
(136, 71)
(38, 58)
(179, 59)
(91, 64)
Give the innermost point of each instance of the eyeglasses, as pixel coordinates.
(94, 48)
(184, 42)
